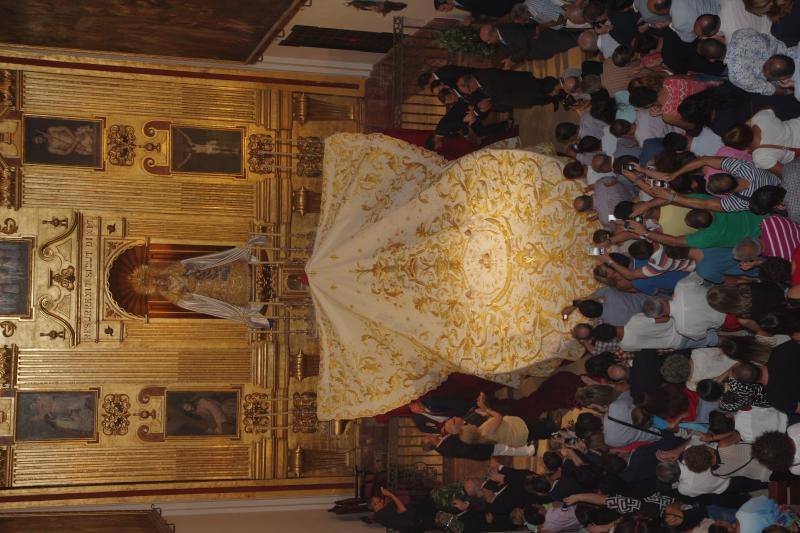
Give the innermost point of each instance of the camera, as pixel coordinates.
(629, 167)
(639, 219)
(659, 183)
(595, 251)
(612, 218)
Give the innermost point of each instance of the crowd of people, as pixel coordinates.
(685, 404)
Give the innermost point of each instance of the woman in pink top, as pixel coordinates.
(675, 90)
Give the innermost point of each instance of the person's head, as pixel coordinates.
(620, 259)
(623, 55)
(604, 332)
(594, 10)
(571, 84)
(746, 372)
(587, 41)
(376, 503)
(583, 203)
(645, 43)
(601, 236)
(666, 401)
(601, 395)
(566, 132)
(720, 422)
(602, 163)
(489, 34)
(447, 96)
(748, 249)
(734, 300)
(424, 79)
(623, 210)
(775, 450)
(434, 143)
(444, 6)
(739, 137)
(767, 199)
(536, 485)
(597, 365)
(641, 250)
(519, 14)
(774, 9)
(453, 425)
(552, 461)
(654, 308)
(621, 127)
(590, 84)
(618, 373)
(675, 142)
(589, 144)
(574, 170)
(587, 423)
(472, 485)
(590, 308)
(643, 97)
(466, 84)
(532, 514)
(582, 331)
(604, 110)
(659, 7)
(722, 183)
(712, 49)
(785, 321)
(709, 390)
(778, 67)
(776, 269)
(744, 348)
(668, 472)
(698, 218)
(707, 25)
(676, 369)
(699, 458)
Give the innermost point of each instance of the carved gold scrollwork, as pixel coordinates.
(309, 156)
(47, 251)
(304, 412)
(116, 414)
(121, 145)
(261, 153)
(9, 226)
(144, 432)
(305, 108)
(257, 413)
(45, 306)
(10, 185)
(65, 278)
(8, 357)
(8, 327)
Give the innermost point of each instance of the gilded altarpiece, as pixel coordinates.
(105, 394)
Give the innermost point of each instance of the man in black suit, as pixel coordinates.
(430, 414)
(448, 76)
(527, 41)
(451, 446)
(477, 9)
(506, 88)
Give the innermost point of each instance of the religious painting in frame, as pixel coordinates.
(202, 413)
(218, 30)
(16, 272)
(60, 415)
(200, 150)
(62, 141)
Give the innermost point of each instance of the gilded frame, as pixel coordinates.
(31, 259)
(237, 434)
(101, 165)
(95, 391)
(242, 147)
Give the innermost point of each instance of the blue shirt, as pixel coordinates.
(719, 262)
(662, 283)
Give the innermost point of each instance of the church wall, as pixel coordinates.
(85, 383)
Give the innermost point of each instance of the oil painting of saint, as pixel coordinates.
(62, 141)
(202, 413)
(15, 277)
(207, 151)
(56, 415)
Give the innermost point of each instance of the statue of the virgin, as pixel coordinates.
(217, 284)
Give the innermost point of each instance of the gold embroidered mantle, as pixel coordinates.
(422, 268)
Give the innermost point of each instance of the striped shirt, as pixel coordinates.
(756, 177)
(544, 11)
(659, 263)
(780, 237)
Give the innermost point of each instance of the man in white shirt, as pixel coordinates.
(642, 332)
(733, 16)
(689, 307)
(618, 427)
(756, 421)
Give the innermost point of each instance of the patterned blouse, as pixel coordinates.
(740, 395)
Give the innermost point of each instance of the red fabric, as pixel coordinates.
(632, 446)
(731, 323)
(694, 401)
(453, 147)
(796, 264)
(463, 385)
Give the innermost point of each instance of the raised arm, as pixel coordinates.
(697, 164)
(655, 236)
